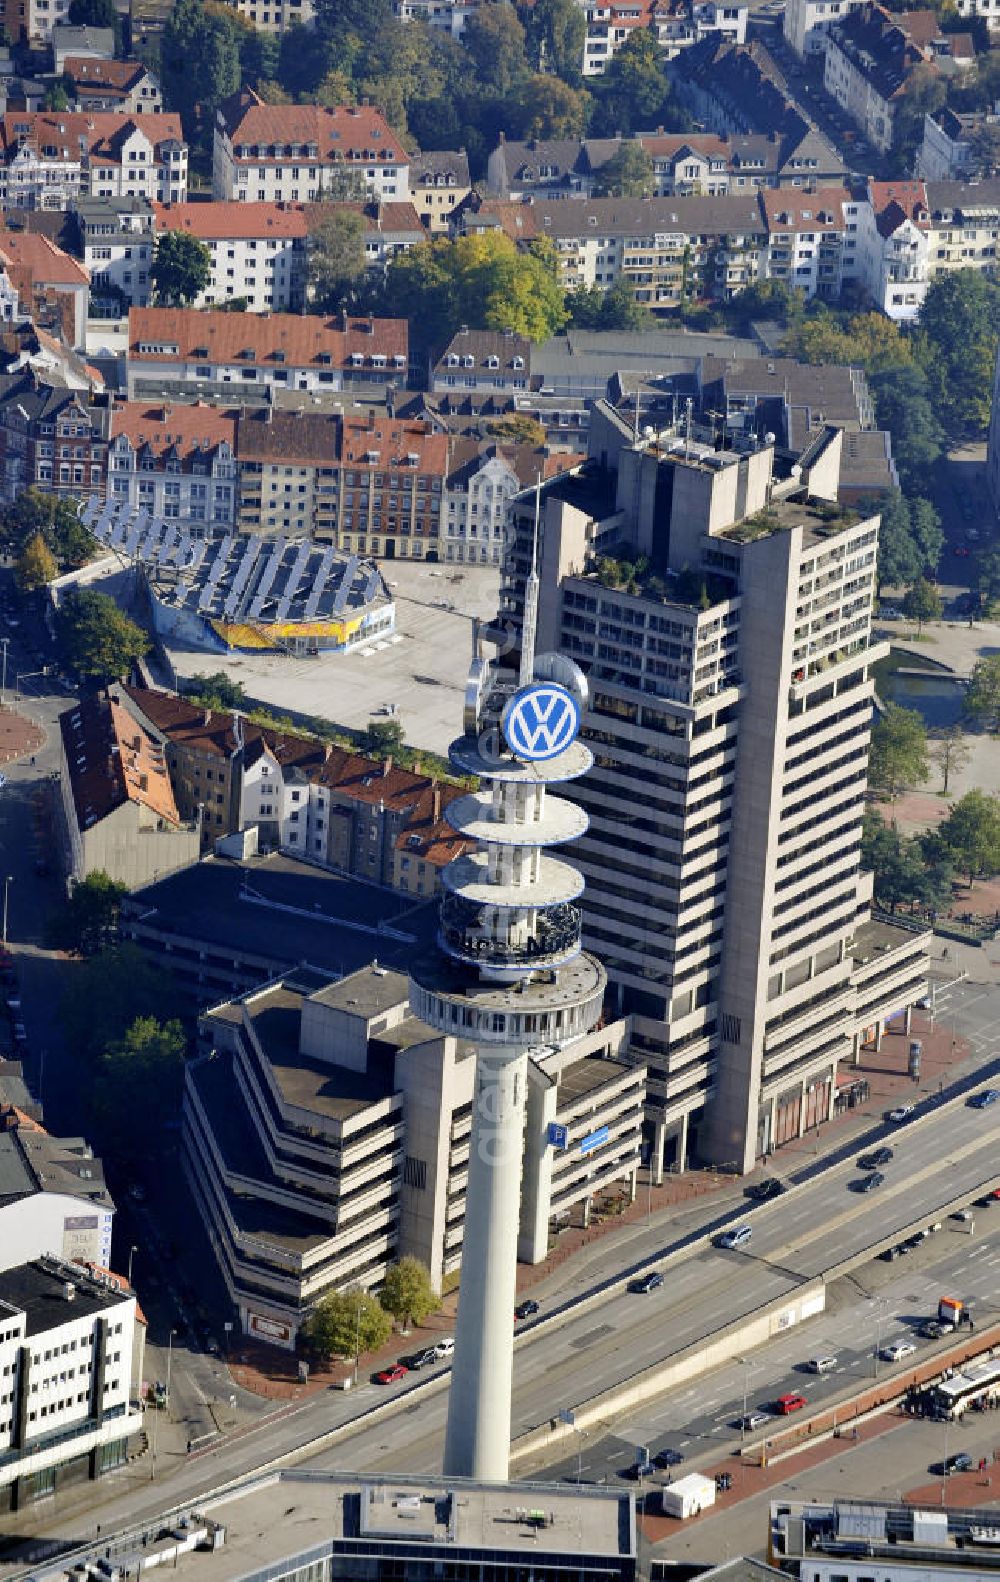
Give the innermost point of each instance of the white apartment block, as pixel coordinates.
(258, 251)
(724, 892)
(117, 252)
(50, 159)
(989, 10)
(912, 231)
(66, 1347)
(475, 510)
(328, 1134)
(813, 241)
(680, 23)
(177, 462)
(449, 16)
(807, 23)
(288, 153)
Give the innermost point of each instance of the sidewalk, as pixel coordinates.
(18, 735)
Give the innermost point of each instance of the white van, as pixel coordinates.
(821, 1364)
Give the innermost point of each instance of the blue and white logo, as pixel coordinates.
(540, 721)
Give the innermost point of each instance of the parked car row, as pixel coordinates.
(421, 1359)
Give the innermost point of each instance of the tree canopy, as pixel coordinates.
(88, 921)
(481, 281)
(898, 757)
(336, 255)
(910, 539)
(107, 993)
(957, 348)
(97, 639)
(555, 34)
(33, 513)
(137, 1084)
(407, 1292)
(903, 406)
(950, 751)
(971, 835)
(627, 174)
(345, 1320)
(36, 565)
(922, 603)
(905, 873)
(199, 64)
(982, 695)
(181, 268)
(614, 309)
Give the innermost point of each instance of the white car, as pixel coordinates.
(3, 780)
(897, 1350)
(901, 1113)
(444, 1348)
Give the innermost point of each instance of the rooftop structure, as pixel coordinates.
(819, 1539)
(53, 1195)
(247, 592)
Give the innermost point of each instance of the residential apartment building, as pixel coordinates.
(51, 437)
(258, 251)
(738, 89)
(116, 236)
(680, 23)
(812, 239)
(123, 85)
(993, 442)
(54, 1198)
(806, 23)
(175, 462)
(67, 1338)
(47, 281)
(486, 360)
(118, 803)
(388, 490)
(188, 354)
(48, 159)
(269, 153)
(340, 810)
(327, 1134)
(449, 16)
(946, 150)
(724, 892)
(70, 42)
(439, 182)
(274, 16)
(913, 231)
(870, 56)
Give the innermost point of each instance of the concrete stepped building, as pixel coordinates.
(719, 603)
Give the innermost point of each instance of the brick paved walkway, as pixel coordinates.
(19, 736)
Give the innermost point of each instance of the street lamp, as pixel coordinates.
(170, 1358)
(8, 881)
(357, 1339)
(26, 675)
(131, 1253)
(748, 1368)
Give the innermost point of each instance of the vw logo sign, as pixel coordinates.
(541, 721)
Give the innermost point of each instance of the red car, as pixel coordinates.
(391, 1375)
(789, 1403)
(960, 550)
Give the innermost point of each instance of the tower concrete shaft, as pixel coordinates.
(477, 1443)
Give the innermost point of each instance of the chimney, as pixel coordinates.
(387, 767)
(437, 803)
(206, 718)
(418, 767)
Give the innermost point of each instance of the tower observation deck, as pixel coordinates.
(508, 974)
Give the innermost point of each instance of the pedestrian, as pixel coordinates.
(972, 1323)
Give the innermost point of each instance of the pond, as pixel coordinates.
(935, 693)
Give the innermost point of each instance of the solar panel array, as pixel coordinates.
(240, 577)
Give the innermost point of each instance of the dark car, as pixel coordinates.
(423, 1359)
(876, 1159)
(668, 1458)
(646, 1282)
(526, 1309)
(890, 1254)
(871, 1183)
(983, 1100)
(961, 1461)
(764, 1191)
(930, 1329)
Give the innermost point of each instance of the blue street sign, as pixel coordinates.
(595, 1140)
(558, 1135)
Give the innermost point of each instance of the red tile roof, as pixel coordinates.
(98, 134)
(346, 133)
(281, 339)
(219, 220)
(382, 442)
(111, 760)
(181, 429)
(119, 76)
(897, 201)
(38, 262)
(790, 210)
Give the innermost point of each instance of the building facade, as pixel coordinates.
(806, 24)
(51, 438)
(176, 462)
(117, 239)
(735, 926)
(993, 442)
(66, 1344)
(327, 1134)
(290, 153)
(258, 251)
(48, 159)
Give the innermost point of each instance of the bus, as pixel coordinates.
(977, 1386)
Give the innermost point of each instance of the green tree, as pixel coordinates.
(483, 281)
(35, 512)
(97, 13)
(957, 348)
(217, 691)
(971, 835)
(988, 578)
(181, 268)
(634, 91)
(556, 33)
(96, 638)
(982, 695)
(627, 174)
(407, 1292)
(137, 1085)
(346, 1323)
(866, 340)
(614, 309)
(382, 738)
(924, 93)
(544, 106)
(58, 96)
(336, 254)
(88, 921)
(200, 64)
(902, 406)
(950, 751)
(337, 19)
(984, 149)
(517, 428)
(910, 538)
(106, 993)
(922, 602)
(898, 757)
(495, 43)
(36, 565)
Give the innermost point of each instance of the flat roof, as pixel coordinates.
(366, 993)
(875, 938)
(283, 912)
(38, 1291)
(590, 1074)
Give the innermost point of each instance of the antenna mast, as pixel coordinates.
(531, 598)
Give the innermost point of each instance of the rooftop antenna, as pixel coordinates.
(635, 416)
(531, 597)
(687, 429)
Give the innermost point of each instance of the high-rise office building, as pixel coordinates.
(719, 602)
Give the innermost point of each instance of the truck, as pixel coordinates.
(689, 1496)
(950, 1311)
